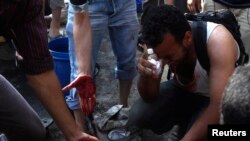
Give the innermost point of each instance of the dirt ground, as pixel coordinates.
(108, 91)
(107, 95)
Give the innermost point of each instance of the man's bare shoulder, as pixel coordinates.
(222, 47)
(221, 40)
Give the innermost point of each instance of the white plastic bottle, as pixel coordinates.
(152, 58)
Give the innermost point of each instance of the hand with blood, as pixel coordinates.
(86, 90)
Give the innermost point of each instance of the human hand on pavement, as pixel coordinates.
(86, 89)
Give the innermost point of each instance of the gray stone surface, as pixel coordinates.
(107, 96)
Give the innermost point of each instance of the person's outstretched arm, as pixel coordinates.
(48, 90)
(220, 43)
(37, 63)
(82, 32)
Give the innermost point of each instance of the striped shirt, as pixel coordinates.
(24, 21)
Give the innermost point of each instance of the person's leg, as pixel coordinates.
(56, 7)
(47, 12)
(208, 5)
(98, 31)
(123, 29)
(172, 106)
(98, 13)
(72, 99)
(18, 121)
(55, 23)
(124, 89)
(243, 18)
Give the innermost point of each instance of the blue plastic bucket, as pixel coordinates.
(59, 51)
(139, 6)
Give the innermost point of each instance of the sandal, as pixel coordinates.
(47, 122)
(118, 134)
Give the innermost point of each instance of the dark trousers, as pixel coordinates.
(173, 106)
(18, 120)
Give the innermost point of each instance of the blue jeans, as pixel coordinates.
(119, 18)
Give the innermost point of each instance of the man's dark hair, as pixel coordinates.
(159, 20)
(235, 108)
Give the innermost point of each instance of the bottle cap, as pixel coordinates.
(150, 51)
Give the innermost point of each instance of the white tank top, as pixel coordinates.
(201, 76)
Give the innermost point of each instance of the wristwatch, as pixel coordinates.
(79, 6)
